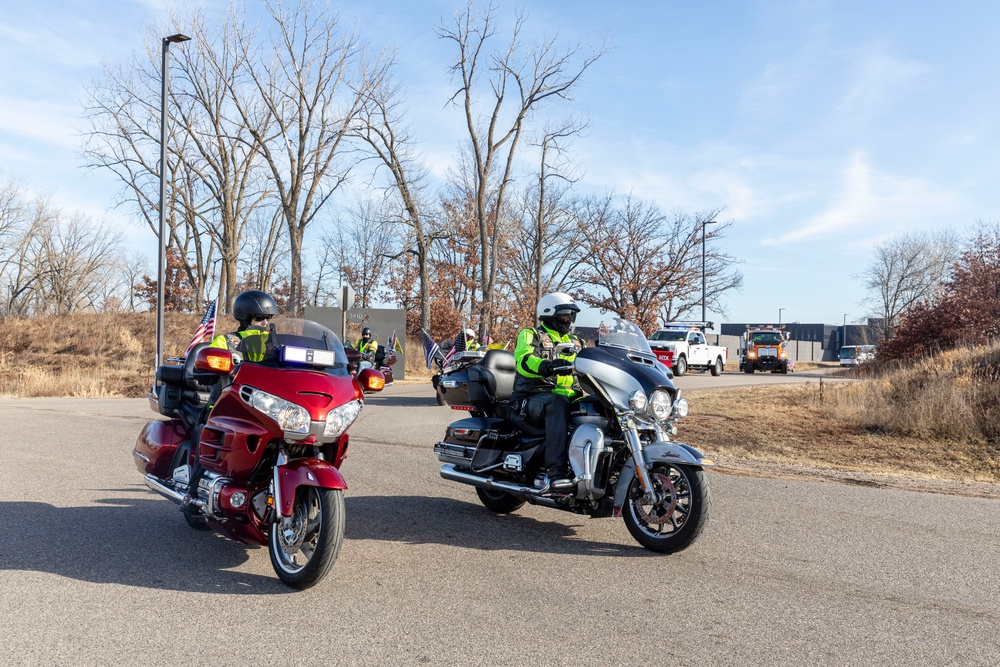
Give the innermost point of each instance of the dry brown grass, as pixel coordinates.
(86, 354)
(937, 419)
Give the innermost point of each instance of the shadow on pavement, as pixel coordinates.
(445, 521)
(137, 542)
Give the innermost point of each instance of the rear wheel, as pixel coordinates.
(304, 546)
(196, 521)
(500, 502)
(681, 368)
(717, 367)
(679, 517)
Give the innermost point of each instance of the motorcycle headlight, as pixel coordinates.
(681, 407)
(637, 400)
(659, 405)
(338, 419)
(290, 417)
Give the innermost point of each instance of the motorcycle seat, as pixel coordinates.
(504, 411)
(500, 365)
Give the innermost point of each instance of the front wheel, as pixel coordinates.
(680, 516)
(500, 502)
(304, 546)
(681, 368)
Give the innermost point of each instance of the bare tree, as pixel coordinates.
(906, 270)
(380, 124)
(366, 243)
(520, 79)
(79, 258)
(550, 233)
(643, 265)
(310, 82)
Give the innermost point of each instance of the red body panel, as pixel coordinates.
(154, 450)
(305, 472)
(665, 356)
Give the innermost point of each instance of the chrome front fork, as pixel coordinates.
(275, 486)
(635, 446)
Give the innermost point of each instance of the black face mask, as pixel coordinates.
(561, 322)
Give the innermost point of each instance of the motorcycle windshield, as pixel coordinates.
(622, 334)
(297, 333)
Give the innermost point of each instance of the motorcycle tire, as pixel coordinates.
(686, 490)
(500, 502)
(304, 546)
(439, 398)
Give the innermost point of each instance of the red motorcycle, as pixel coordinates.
(262, 464)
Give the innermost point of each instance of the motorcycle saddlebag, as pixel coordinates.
(454, 387)
(462, 439)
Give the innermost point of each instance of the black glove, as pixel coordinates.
(561, 367)
(555, 367)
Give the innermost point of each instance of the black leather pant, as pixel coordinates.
(552, 409)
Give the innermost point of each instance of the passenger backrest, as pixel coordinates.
(501, 364)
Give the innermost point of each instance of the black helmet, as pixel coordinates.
(366, 333)
(253, 302)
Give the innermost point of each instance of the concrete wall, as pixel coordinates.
(382, 321)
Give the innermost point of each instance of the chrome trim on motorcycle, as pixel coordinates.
(276, 490)
(635, 446)
(450, 472)
(155, 484)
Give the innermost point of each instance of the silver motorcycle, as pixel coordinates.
(623, 460)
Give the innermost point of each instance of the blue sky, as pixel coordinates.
(820, 127)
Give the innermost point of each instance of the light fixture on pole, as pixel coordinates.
(779, 316)
(703, 223)
(161, 264)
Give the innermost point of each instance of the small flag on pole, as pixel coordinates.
(431, 349)
(393, 343)
(487, 339)
(458, 347)
(206, 330)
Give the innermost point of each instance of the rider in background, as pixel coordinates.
(545, 385)
(367, 346)
(470, 341)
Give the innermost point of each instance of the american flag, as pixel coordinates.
(206, 330)
(459, 346)
(487, 339)
(431, 349)
(393, 343)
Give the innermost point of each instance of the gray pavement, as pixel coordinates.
(97, 570)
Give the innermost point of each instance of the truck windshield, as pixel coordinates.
(766, 338)
(848, 352)
(669, 335)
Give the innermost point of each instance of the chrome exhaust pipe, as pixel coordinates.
(530, 493)
(155, 484)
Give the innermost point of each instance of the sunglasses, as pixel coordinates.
(261, 318)
(566, 318)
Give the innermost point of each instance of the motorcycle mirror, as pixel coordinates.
(566, 348)
(214, 360)
(371, 380)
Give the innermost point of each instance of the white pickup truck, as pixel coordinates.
(683, 346)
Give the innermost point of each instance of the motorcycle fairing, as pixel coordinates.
(155, 447)
(304, 472)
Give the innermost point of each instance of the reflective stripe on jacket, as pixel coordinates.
(535, 346)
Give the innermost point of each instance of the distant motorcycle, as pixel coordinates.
(263, 464)
(623, 460)
(384, 360)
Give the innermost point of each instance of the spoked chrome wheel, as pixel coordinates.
(678, 518)
(305, 545)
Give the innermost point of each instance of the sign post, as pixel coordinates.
(346, 301)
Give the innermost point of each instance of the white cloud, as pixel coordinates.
(879, 76)
(870, 200)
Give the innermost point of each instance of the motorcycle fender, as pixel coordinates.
(305, 472)
(669, 452)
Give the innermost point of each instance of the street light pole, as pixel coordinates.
(779, 316)
(162, 258)
(703, 223)
(843, 338)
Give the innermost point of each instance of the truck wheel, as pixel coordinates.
(748, 367)
(681, 368)
(717, 367)
(784, 368)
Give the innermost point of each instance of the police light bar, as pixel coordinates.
(689, 325)
(306, 355)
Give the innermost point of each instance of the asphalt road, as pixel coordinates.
(97, 570)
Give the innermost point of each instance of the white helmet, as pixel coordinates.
(469, 333)
(554, 302)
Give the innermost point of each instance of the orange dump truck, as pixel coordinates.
(764, 348)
